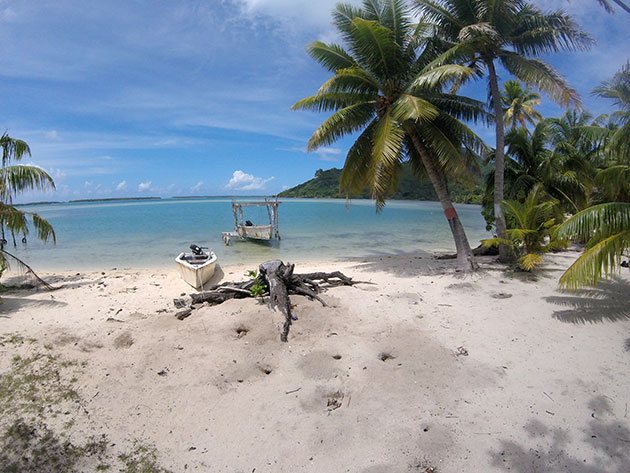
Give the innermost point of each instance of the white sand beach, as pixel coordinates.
(419, 370)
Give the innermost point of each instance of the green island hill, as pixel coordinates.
(325, 185)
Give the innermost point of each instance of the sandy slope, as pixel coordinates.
(544, 385)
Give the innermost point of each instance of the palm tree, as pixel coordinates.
(618, 90)
(382, 88)
(561, 154)
(531, 223)
(606, 229)
(609, 8)
(15, 179)
(518, 105)
(606, 226)
(512, 33)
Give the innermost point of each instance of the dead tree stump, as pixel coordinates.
(278, 281)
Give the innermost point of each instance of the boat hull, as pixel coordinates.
(195, 272)
(256, 232)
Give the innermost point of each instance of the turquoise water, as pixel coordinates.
(145, 234)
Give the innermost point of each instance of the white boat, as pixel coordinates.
(246, 230)
(255, 232)
(196, 267)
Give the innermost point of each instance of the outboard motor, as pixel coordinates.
(196, 250)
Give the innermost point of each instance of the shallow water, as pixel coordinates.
(145, 234)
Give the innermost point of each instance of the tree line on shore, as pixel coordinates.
(395, 84)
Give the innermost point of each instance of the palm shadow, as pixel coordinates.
(11, 305)
(608, 302)
(607, 440)
(410, 263)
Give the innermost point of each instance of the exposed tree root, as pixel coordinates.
(278, 282)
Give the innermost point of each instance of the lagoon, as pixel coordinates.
(149, 234)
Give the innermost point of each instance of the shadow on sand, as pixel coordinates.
(10, 305)
(604, 446)
(403, 264)
(608, 302)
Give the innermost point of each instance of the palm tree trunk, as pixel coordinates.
(499, 160)
(465, 259)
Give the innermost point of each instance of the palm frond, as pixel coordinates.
(386, 155)
(19, 178)
(543, 76)
(376, 47)
(331, 56)
(350, 80)
(343, 122)
(439, 76)
(600, 260)
(409, 107)
(324, 102)
(530, 261)
(358, 171)
(550, 32)
(13, 149)
(611, 218)
(45, 231)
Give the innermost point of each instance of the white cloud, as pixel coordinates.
(7, 14)
(328, 154)
(325, 153)
(197, 187)
(294, 13)
(242, 181)
(51, 135)
(122, 186)
(144, 186)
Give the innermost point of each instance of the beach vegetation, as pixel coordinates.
(513, 34)
(16, 178)
(519, 105)
(560, 154)
(326, 184)
(605, 226)
(258, 288)
(531, 228)
(606, 230)
(39, 403)
(386, 88)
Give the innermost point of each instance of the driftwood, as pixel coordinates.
(23, 266)
(277, 282)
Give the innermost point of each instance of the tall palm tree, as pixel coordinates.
(606, 226)
(618, 90)
(15, 179)
(559, 155)
(382, 88)
(519, 105)
(512, 33)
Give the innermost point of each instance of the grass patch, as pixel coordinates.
(28, 446)
(36, 382)
(35, 389)
(15, 339)
(141, 459)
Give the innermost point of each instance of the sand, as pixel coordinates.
(421, 370)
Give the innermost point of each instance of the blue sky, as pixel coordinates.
(130, 98)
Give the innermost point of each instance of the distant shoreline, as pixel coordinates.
(193, 197)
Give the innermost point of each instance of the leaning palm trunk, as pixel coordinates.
(465, 258)
(499, 161)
